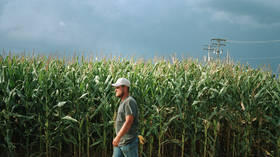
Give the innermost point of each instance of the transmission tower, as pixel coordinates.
(208, 48)
(228, 57)
(217, 43)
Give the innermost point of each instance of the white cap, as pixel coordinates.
(122, 81)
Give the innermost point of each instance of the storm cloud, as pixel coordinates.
(145, 28)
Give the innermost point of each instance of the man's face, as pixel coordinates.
(119, 91)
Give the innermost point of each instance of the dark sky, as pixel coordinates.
(143, 28)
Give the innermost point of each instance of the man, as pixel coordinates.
(126, 140)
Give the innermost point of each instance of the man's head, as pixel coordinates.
(121, 87)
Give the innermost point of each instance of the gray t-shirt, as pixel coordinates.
(127, 107)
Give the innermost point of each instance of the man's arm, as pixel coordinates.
(125, 128)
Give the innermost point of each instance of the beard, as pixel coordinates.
(120, 95)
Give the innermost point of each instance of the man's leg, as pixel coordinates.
(131, 149)
(117, 152)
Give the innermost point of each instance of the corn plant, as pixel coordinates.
(65, 107)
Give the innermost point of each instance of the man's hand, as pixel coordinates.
(116, 141)
(126, 126)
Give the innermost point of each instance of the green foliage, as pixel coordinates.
(53, 107)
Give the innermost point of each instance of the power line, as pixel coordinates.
(216, 44)
(253, 41)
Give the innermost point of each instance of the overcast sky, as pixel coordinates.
(144, 28)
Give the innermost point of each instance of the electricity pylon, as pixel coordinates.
(209, 49)
(217, 43)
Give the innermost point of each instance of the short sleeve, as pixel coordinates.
(130, 108)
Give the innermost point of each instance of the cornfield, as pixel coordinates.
(51, 107)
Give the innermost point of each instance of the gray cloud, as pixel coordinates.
(252, 13)
(144, 27)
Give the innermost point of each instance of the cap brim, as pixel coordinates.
(119, 84)
(115, 84)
